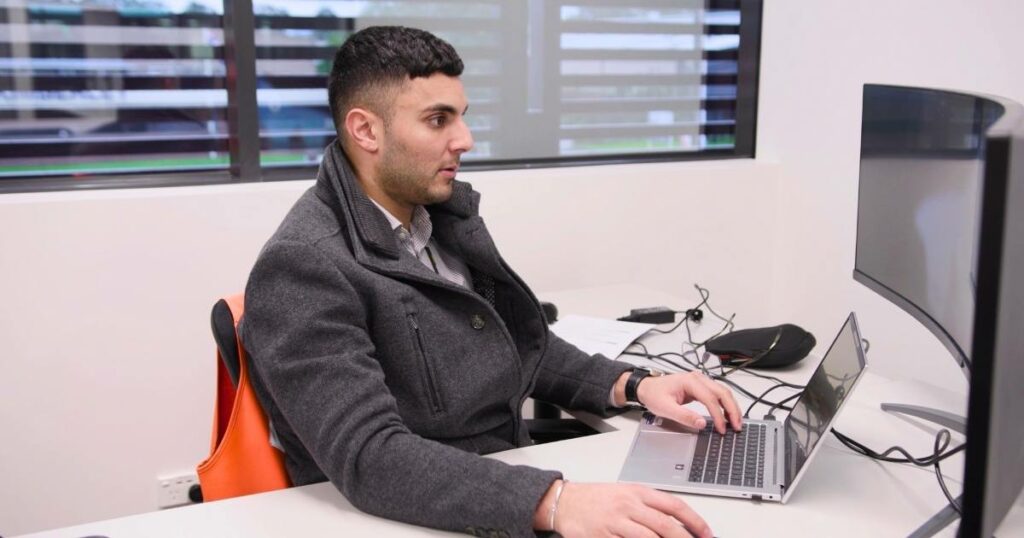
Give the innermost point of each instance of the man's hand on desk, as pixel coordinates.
(665, 395)
(587, 510)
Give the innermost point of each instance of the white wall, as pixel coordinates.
(106, 359)
(105, 356)
(816, 56)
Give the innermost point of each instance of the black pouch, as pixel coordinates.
(766, 347)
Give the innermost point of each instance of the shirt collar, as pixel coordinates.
(394, 222)
(420, 228)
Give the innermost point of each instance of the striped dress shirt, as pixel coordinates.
(417, 241)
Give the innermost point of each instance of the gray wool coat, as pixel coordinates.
(388, 380)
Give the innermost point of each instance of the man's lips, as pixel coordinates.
(450, 171)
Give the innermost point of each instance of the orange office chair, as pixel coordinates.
(242, 461)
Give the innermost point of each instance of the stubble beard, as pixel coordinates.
(404, 181)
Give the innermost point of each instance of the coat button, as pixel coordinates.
(477, 322)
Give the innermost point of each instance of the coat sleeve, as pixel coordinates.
(572, 379)
(306, 332)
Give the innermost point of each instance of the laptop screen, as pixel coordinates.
(825, 392)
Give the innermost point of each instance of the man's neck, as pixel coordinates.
(368, 182)
(402, 212)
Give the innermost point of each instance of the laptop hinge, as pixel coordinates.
(780, 457)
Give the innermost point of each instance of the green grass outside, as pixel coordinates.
(166, 165)
(641, 144)
(146, 164)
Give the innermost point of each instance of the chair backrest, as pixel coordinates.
(222, 323)
(242, 461)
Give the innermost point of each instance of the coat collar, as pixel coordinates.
(369, 230)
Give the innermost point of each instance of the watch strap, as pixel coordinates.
(632, 383)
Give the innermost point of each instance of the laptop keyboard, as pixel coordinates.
(733, 459)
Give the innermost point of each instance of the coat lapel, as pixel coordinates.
(456, 224)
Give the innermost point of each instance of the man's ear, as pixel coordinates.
(364, 129)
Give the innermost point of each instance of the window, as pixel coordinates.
(110, 87)
(95, 88)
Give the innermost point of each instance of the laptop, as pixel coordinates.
(766, 460)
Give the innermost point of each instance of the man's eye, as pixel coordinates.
(437, 121)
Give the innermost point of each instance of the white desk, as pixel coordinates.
(843, 494)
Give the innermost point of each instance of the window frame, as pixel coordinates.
(244, 139)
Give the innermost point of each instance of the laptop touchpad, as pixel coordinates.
(673, 446)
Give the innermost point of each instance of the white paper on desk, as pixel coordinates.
(596, 335)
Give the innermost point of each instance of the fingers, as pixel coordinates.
(706, 396)
(731, 408)
(699, 388)
(664, 396)
(675, 507)
(626, 510)
(683, 416)
(658, 524)
(659, 515)
(727, 401)
(633, 529)
(716, 398)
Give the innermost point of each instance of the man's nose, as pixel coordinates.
(463, 140)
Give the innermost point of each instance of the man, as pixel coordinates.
(392, 344)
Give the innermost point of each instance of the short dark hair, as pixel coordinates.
(374, 61)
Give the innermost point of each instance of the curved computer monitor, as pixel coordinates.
(994, 461)
(921, 166)
(940, 233)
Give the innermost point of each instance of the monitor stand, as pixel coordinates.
(945, 419)
(948, 420)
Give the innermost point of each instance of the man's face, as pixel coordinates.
(424, 140)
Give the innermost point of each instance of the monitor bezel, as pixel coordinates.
(996, 369)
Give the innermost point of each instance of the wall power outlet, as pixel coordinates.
(173, 490)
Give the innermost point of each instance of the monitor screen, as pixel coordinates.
(920, 184)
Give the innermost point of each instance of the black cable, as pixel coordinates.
(850, 443)
(661, 358)
(939, 453)
(693, 366)
(775, 379)
(764, 353)
(759, 399)
(942, 438)
(938, 470)
(674, 327)
(705, 298)
(703, 361)
(778, 405)
(725, 328)
(907, 457)
(705, 301)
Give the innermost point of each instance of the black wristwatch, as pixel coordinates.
(633, 383)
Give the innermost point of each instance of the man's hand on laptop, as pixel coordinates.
(627, 510)
(665, 396)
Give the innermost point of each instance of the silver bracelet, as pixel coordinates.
(554, 505)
